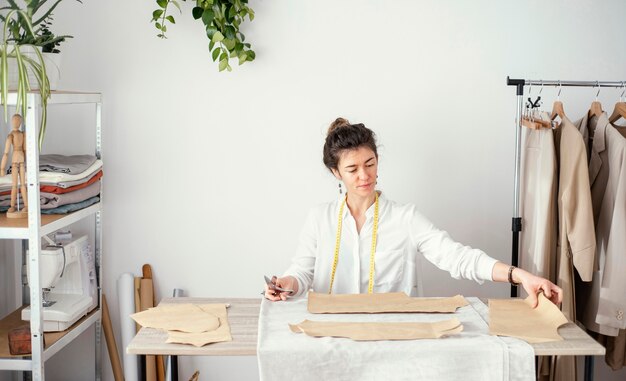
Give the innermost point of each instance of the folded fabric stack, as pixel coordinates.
(67, 183)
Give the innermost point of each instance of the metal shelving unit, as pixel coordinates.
(39, 225)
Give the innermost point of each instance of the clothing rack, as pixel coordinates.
(517, 220)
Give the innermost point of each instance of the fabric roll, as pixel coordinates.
(125, 295)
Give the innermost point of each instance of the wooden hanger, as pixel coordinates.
(537, 123)
(557, 110)
(618, 112)
(596, 107)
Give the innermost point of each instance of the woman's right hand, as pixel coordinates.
(287, 283)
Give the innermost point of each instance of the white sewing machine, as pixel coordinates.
(68, 282)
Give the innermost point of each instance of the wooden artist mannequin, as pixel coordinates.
(17, 139)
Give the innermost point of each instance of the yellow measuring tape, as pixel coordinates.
(370, 286)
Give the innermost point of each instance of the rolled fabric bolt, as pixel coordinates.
(126, 297)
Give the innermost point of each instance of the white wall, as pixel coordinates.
(209, 175)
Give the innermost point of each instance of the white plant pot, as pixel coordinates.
(51, 60)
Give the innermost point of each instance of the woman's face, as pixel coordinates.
(358, 169)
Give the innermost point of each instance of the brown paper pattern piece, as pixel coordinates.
(190, 318)
(381, 303)
(516, 318)
(368, 331)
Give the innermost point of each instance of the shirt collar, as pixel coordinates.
(369, 212)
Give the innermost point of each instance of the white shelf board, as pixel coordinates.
(18, 229)
(61, 97)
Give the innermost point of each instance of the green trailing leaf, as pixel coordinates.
(215, 54)
(158, 26)
(208, 16)
(242, 58)
(210, 32)
(223, 64)
(170, 19)
(229, 44)
(196, 12)
(162, 3)
(175, 3)
(211, 45)
(229, 32)
(217, 37)
(156, 14)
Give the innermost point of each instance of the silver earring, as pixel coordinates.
(340, 190)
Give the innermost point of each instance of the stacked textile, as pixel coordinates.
(67, 183)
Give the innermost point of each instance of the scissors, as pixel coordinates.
(271, 284)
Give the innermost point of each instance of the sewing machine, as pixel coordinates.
(68, 282)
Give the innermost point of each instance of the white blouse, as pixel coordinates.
(403, 234)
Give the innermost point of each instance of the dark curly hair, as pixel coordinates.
(345, 136)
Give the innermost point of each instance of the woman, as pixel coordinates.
(363, 242)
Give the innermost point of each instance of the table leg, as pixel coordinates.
(174, 367)
(589, 368)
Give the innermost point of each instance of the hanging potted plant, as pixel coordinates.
(221, 19)
(29, 54)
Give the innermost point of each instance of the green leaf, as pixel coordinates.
(250, 14)
(232, 12)
(158, 26)
(164, 28)
(223, 64)
(207, 17)
(196, 12)
(216, 53)
(210, 32)
(211, 45)
(242, 36)
(251, 55)
(170, 19)
(177, 5)
(156, 14)
(229, 32)
(224, 55)
(162, 3)
(229, 44)
(217, 37)
(242, 58)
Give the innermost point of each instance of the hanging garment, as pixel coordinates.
(538, 204)
(576, 243)
(603, 302)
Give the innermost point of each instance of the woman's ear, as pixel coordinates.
(336, 173)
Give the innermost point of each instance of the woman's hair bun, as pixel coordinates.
(338, 123)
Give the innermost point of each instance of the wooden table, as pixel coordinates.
(243, 315)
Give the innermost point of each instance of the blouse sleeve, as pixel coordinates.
(303, 263)
(445, 253)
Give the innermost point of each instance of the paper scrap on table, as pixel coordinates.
(380, 303)
(222, 333)
(516, 318)
(193, 318)
(367, 331)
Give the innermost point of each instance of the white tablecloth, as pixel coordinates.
(471, 355)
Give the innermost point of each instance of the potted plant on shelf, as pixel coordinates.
(29, 54)
(221, 19)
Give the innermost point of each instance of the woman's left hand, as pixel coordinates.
(534, 284)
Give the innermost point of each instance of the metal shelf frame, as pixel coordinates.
(35, 231)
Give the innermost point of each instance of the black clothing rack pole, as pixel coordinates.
(517, 220)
